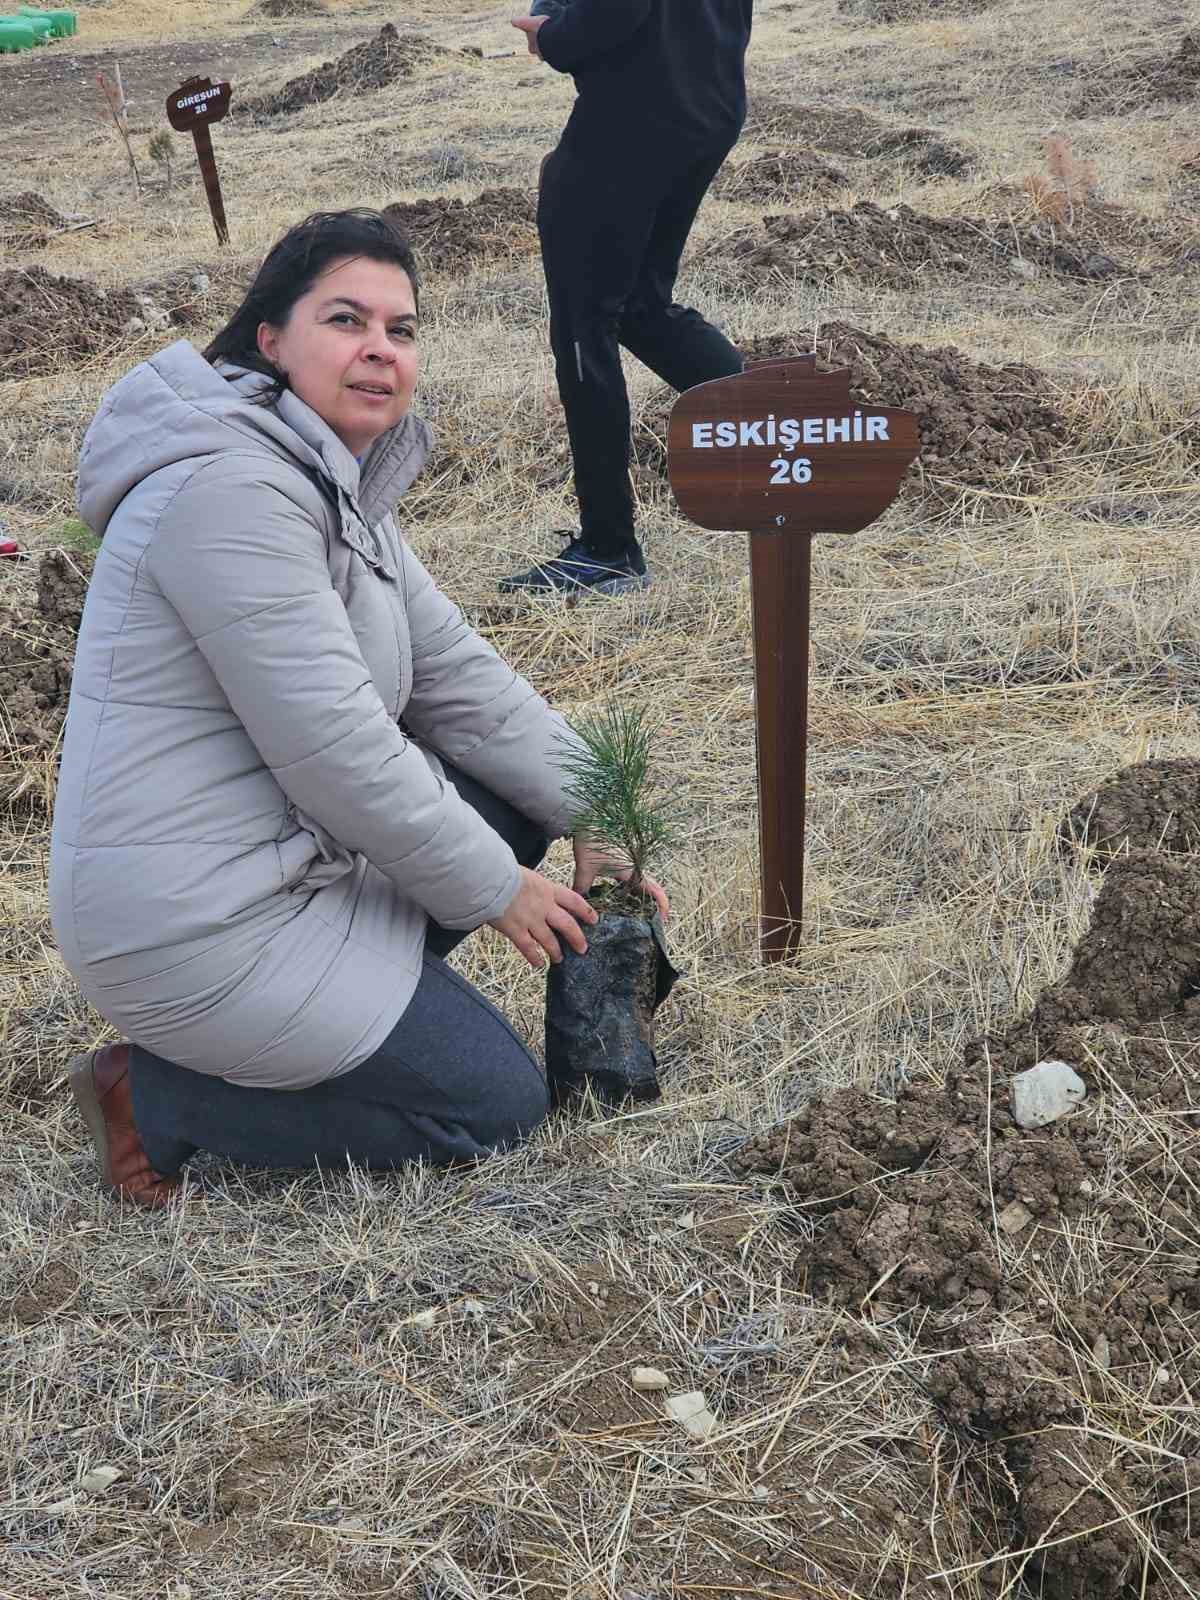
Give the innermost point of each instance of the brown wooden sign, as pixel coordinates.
(191, 109)
(783, 447)
(780, 450)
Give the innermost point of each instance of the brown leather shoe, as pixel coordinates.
(100, 1084)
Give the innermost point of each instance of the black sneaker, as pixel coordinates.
(578, 571)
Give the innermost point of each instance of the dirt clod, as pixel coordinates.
(1152, 806)
(454, 235)
(779, 177)
(37, 651)
(908, 1197)
(47, 322)
(372, 65)
(27, 221)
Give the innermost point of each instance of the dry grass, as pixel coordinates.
(287, 1421)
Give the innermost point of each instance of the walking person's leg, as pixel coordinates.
(594, 220)
(673, 340)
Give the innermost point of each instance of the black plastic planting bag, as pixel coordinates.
(600, 1011)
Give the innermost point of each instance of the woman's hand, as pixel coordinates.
(592, 862)
(539, 911)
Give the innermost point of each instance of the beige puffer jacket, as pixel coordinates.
(246, 842)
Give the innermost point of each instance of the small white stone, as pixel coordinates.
(100, 1478)
(133, 326)
(687, 1221)
(1046, 1092)
(1087, 1186)
(60, 1507)
(1162, 1375)
(1102, 1352)
(647, 1380)
(474, 1308)
(761, 1492)
(425, 1319)
(1020, 268)
(1014, 1217)
(691, 1412)
(199, 283)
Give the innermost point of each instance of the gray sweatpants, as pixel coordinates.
(451, 1083)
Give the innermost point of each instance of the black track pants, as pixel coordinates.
(612, 232)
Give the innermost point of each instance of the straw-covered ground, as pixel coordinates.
(943, 1355)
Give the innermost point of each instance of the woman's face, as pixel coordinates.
(349, 348)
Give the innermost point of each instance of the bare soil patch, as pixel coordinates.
(855, 133)
(1145, 82)
(911, 10)
(369, 66)
(980, 425)
(37, 650)
(939, 1206)
(281, 9)
(450, 235)
(1152, 806)
(888, 246)
(48, 322)
(27, 221)
(780, 177)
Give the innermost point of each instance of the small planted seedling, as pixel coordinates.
(600, 1006)
(610, 790)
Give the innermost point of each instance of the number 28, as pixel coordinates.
(797, 471)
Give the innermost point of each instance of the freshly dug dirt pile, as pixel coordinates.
(896, 245)
(779, 177)
(48, 322)
(37, 650)
(1153, 806)
(374, 64)
(855, 133)
(279, 9)
(27, 221)
(1053, 1275)
(456, 235)
(911, 10)
(1146, 82)
(1091, 226)
(980, 425)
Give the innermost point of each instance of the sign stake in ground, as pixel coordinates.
(191, 109)
(782, 452)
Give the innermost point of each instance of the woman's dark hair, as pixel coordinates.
(291, 268)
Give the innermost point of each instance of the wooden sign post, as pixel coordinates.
(193, 106)
(782, 452)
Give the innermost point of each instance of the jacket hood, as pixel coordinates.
(176, 407)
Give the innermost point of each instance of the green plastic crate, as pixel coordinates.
(62, 23)
(16, 35)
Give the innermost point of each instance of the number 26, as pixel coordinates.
(797, 471)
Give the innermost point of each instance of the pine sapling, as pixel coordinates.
(160, 152)
(609, 788)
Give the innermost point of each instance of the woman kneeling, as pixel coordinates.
(293, 777)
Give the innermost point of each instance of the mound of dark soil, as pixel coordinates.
(911, 10)
(372, 65)
(979, 425)
(27, 221)
(37, 649)
(1153, 806)
(1146, 82)
(855, 133)
(280, 10)
(47, 322)
(896, 247)
(455, 235)
(941, 1209)
(780, 176)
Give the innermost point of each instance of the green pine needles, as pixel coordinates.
(608, 787)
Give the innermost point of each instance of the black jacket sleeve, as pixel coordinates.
(588, 28)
